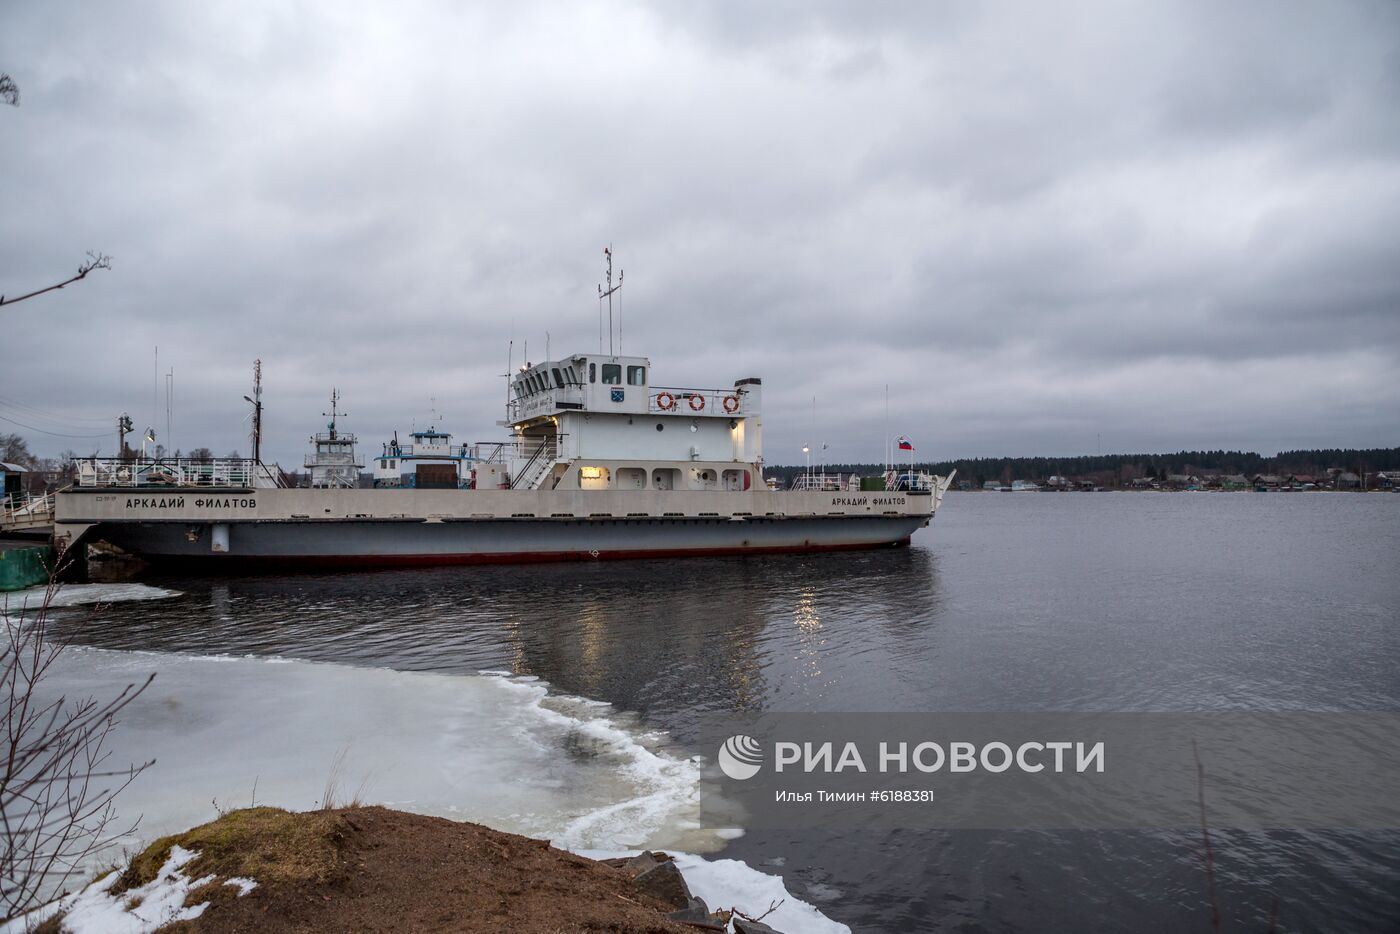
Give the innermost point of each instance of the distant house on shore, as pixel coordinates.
(1234, 481)
(1266, 481)
(1346, 480)
(11, 481)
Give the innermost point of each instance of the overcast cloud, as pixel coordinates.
(1169, 225)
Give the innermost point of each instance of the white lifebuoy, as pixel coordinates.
(731, 405)
(665, 401)
(697, 403)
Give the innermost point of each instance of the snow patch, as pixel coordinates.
(732, 883)
(94, 910)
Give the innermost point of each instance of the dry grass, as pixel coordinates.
(267, 844)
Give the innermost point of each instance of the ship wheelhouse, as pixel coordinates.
(429, 461)
(597, 422)
(332, 463)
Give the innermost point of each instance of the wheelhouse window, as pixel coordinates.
(558, 378)
(612, 374)
(593, 372)
(636, 376)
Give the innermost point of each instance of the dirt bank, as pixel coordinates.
(375, 869)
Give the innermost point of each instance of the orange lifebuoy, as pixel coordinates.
(665, 401)
(697, 403)
(731, 405)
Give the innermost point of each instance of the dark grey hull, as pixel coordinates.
(389, 542)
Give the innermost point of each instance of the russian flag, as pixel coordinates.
(905, 444)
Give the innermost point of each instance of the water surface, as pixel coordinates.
(1008, 602)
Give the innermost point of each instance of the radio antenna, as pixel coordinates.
(335, 401)
(607, 251)
(256, 400)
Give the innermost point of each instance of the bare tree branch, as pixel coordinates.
(94, 261)
(56, 794)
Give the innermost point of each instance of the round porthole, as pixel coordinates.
(659, 426)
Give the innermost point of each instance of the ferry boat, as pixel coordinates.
(430, 461)
(332, 463)
(601, 463)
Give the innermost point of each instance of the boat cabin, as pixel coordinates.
(596, 421)
(430, 461)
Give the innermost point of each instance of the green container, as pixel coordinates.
(872, 484)
(24, 567)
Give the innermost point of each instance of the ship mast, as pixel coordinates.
(256, 400)
(607, 251)
(335, 400)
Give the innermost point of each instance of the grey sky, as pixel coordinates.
(1173, 225)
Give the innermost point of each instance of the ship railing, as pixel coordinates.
(178, 472)
(535, 465)
(335, 479)
(428, 450)
(503, 452)
(324, 459)
(26, 512)
(819, 481)
(519, 408)
(916, 481)
(690, 401)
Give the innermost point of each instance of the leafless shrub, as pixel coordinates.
(56, 788)
(331, 794)
(9, 91)
(772, 907)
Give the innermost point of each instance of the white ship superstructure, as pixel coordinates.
(429, 461)
(332, 463)
(595, 422)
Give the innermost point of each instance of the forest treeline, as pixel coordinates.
(1116, 469)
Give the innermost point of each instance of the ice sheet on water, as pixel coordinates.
(491, 748)
(85, 594)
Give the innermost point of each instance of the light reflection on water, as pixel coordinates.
(1053, 602)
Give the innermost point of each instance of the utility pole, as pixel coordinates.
(123, 426)
(256, 400)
